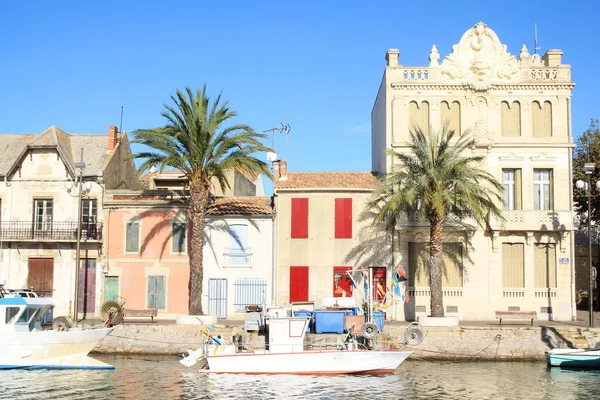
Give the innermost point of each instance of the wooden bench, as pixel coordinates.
(140, 314)
(516, 315)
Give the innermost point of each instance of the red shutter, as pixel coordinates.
(342, 285)
(299, 218)
(379, 283)
(343, 218)
(298, 284)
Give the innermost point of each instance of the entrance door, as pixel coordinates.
(217, 297)
(86, 301)
(111, 288)
(41, 276)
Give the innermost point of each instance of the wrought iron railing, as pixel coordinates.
(49, 231)
(237, 257)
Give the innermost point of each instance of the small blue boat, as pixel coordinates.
(574, 358)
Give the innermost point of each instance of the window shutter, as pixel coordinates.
(551, 189)
(151, 299)
(342, 285)
(298, 284)
(178, 234)
(132, 237)
(343, 218)
(518, 190)
(160, 292)
(299, 218)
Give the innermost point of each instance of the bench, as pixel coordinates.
(516, 315)
(151, 313)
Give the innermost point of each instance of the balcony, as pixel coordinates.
(49, 231)
(236, 257)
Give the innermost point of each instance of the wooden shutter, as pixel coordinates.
(342, 285)
(453, 259)
(299, 218)
(41, 276)
(178, 235)
(544, 263)
(156, 292)
(132, 237)
(417, 263)
(86, 302)
(513, 267)
(343, 218)
(298, 284)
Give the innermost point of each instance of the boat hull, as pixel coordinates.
(574, 358)
(51, 349)
(326, 362)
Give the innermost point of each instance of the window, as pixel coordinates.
(132, 237)
(11, 313)
(43, 215)
(298, 284)
(379, 284)
(178, 235)
(512, 189)
(544, 265)
(248, 292)
(238, 252)
(156, 292)
(419, 116)
(542, 189)
(342, 284)
(299, 218)
(513, 265)
(511, 119)
(418, 259)
(541, 116)
(343, 218)
(450, 114)
(89, 212)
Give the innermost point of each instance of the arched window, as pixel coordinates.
(419, 115)
(450, 114)
(511, 119)
(541, 117)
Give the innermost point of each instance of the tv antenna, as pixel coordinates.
(283, 128)
(535, 40)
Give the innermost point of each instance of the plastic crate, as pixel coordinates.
(329, 321)
(305, 314)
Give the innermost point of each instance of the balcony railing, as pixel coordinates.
(49, 231)
(236, 257)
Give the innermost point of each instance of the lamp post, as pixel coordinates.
(589, 168)
(81, 189)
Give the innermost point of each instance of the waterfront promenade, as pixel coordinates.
(480, 340)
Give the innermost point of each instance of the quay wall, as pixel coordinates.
(447, 343)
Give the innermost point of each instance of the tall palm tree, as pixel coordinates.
(196, 141)
(436, 180)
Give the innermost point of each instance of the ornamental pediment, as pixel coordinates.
(479, 60)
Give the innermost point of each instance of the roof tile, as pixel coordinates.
(242, 205)
(328, 180)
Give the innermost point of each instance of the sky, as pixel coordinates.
(313, 65)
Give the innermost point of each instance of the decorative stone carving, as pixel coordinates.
(434, 56)
(524, 55)
(479, 60)
(529, 238)
(495, 240)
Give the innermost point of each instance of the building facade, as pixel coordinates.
(518, 111)
(48, 179)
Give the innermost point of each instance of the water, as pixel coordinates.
(164, 378)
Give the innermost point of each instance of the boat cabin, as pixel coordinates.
(23, 314)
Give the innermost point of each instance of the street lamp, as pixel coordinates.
(589, 168)
(79, 189)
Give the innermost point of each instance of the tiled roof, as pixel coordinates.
(328, 180)
(241, 205)
(13, 148)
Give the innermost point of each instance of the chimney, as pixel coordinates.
(391, 57)
(553, 58)
(113, 136)
(279, 170)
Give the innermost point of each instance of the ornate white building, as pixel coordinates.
(518, 109)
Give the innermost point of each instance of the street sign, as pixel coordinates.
(563, 260)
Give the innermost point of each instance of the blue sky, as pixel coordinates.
(315, 65)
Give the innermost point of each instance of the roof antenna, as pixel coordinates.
(535, 41)
(283, 128)
(121, 124)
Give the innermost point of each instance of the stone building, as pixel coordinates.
(518, 110)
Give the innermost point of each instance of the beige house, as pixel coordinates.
(40, 199)
(518, 109)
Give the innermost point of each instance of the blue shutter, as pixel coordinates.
(132, 237)
(151, 299)
(178, 237)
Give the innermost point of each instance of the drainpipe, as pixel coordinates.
(572, 241)
(394, 229)
(273, 255)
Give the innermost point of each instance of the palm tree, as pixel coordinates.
(435, 181)
(196, 141)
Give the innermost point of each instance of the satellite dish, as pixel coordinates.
(413, 335)
(271, 156)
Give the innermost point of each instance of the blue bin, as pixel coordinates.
(329, 321)
(305, 314)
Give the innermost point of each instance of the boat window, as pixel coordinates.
(27, 315)
(11, 313)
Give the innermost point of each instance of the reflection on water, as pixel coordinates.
(164, 378)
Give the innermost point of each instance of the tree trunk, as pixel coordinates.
(199, 200)
(436, 264)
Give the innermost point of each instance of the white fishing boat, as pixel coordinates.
(25, 344)
(285, 354)
(574, 358)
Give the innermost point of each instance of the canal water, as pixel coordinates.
(154, 378)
